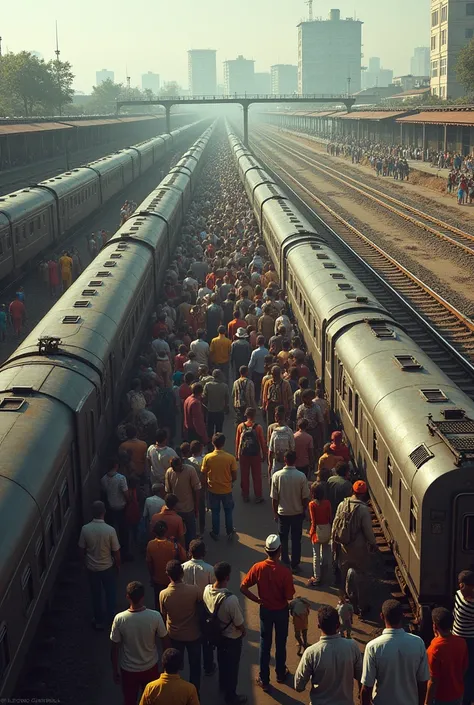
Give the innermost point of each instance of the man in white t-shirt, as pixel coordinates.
(201, 348)
(218, 599)
(114, 487)
(100, 551)
(198, 572)
(133, 636)
(395, 666)
(155, 503)
(159, 456)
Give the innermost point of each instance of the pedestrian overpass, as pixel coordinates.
(244, 100)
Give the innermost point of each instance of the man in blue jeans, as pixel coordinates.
(275, 587)
(219, 469)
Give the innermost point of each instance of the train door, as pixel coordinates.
(463, 532)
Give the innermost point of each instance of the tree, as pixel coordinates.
(105, 96)
(62, 77)
(465, 67)
(170, 90)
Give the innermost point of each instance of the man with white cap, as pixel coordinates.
(240, 351)
(275, 588)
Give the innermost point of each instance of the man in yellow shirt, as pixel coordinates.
(65, 264)
(219, 469)
(220, 351)
(170, 688)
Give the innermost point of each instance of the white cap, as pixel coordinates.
(273, 542)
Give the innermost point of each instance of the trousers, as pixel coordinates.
(134, 682)
(189, 519)
(251, 464)
(103, 580)
(228, 506)
(321, 558)
(215, 422)
(290, 524)
(269, 620)
(194, 657)
(228, 660)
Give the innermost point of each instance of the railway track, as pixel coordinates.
(442, 331)
(456, 237)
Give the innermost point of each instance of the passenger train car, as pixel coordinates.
(39, 217)
(410, 428)
(59, 396)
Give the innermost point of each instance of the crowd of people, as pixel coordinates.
(223, 338)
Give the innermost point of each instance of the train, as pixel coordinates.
(37, 218)
(60, 396)
(409, 427)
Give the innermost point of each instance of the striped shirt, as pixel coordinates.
(463, 616)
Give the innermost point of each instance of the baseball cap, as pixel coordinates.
(273, 542)
(359, 487)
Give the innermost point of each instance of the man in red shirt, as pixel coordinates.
(448, 661)
(17, 312)
(275, 587)
(236, 322)
(193, 420)
(251, 451)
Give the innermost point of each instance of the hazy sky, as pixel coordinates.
(154, 35)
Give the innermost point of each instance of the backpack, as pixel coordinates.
(345, 525)
(249, 444)
(281, 444)
(242, 387)
(211, 627)
(275, 392)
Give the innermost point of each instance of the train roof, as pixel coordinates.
(111, 161)
(62, 184)
(19, 204)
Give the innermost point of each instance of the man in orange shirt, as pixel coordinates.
(158, 552)
(171, 518)
(17, 313)
(275, 587)
(250, 451)
(236, 323)
(137, 450)
(447, 659)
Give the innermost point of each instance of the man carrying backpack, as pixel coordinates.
(224, 628)
(243, 394)
(275, 392)
(353, 540)
(250, 451)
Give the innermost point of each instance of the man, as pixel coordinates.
(353, 541)
(182, 480)
(220, 471)
(154, 503)
(311, 411)
(216, 400)
(193, 416)
(339, 486)
(327, 463)
(179, 605)
(464, 626)
(171, 518)
(100, 551)
(395, 663)
(159, 456)
(276, 391)
(220, 601)
(266, 323)
(159, 552)
(304, 449)
(332, 665)
(235, 324)
(17, 313)
(200, 348)
(250, 451)
(240, 351)
(257, 364)
(290, 496)
(196, 570)
(220, 351)
(160, 345)
(65, 265)
(275, 590)
(170, 688)
(243, 394)
(281, 441)
(114, 487)
(133, 636)
(448, 661)
(137, 450)
(244, 303)
(214, 317)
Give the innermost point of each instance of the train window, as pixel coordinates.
(58, 520)
(65, 498)
(123, 349)
(27, 589)
(44, 220)
(38, 223)
(400, 491)
(17, 236)
(356, 411)
(92, 433)
(375, 447)
(51, 536)
(9, 242)
(40, 556)
(32, 227)
(4, 650)
(344, 387)
(23, 232)
(389, 476)
(351, 396)
(413, 516)
(1, 247)
(468, 533)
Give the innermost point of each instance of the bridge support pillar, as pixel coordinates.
(246, 124)
(168, 118)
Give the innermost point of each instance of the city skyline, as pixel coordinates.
(230, 33)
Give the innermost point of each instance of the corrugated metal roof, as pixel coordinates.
(440, 117)
(372, 115)
(19, 128)
(32, 127)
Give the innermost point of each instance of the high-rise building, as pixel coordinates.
(420, 62)
(329, 55)
(202, 75)
(262, 83)
(376, 76)
(239, 76)
(151, 82)
(284, 79)
(452, 27)
(104, 75)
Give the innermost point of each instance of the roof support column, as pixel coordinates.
(445, 137)
(245, 106)
(423, 146)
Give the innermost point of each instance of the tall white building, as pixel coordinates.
(202, 74)
(151, 82)
(239, 76)
(420, 62)
(452, 27)
(375, 76)
(284, 79)
(329, 55)
(104, 75)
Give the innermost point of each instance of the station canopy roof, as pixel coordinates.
(32, 127)
(441, 117)
(372, 115)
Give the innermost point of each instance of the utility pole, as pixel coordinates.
(349, 79)
(58, 69)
